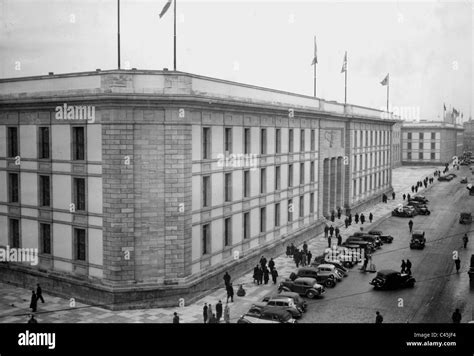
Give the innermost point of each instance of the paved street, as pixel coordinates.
(352, 300)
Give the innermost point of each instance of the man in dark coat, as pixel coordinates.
(410, 225)
(266, 275)
(350, 219)
(408, 264)
(456, 317)
(326, 231)
(362, 218)
(378, 318)
(226, 279)
(204, 312)
(356, 218)
(263, 261)
(219, 311)
(305, 247)
(34, 301)
(271, 264)
(413, 189)
(465, 240)
(457, 262)
(230, 293)
(404, 196)
(339, 213)
(346, 222)
(309, 256)
(175, 318)
(260, 275)
(39, 293)
(371, 217)
(332, 217)
(331, 231)
(255, 274)
(336, 231)
(274, 275)
(32, 320)
(297, 258)
(329, 242)
(393, 195)
(403, 266)
(339, 239)
(408, 197)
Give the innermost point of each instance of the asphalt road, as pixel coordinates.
(439, 289)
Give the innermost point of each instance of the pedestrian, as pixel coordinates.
(410, 225)
(310, 256)
(227, 313)
(356, 218)
(230, 293)
(175, 318)
(332, 216)
(457, 262)
(378, 318)
(413, 189)
(274, 275)
(362, 218)
(408, 197)
(241, 291)
(296, 258)
(404, 266)
(204, 313)
(350, 219)
(465, 240)
(326, 231)
(331, 231)
(366, 261)
(209, 313)
(255, 274)
(346, 222)
(32, 320)
(416, 189)
(263, 261)
(371, 217)
(219, 311)
(213, 319)
(266, 275)
(336, 231)
(408, 268)
(404, 196)
(339, 240)
(303, 258)
(271, 264)
(305, 247)
(292, 248)
(34, 301)
(39, 293)
(329, 242)
(226, 279)
(288, 251)
(456, 317)
(260, 275)
(393, 195)
(339, 213)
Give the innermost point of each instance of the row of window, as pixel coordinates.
(247, 139)
(372, 138)
(206, 228)
(421, 135)
(369, 182)
(228, 182)
(44, 185)
(44, 142)
(421, 155)
(45, 240)
(421, 145)
(369, 160)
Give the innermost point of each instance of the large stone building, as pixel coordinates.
(397, 144)
(469, 135)
(142, 187)
(430, 142)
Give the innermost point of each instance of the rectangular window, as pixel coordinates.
(13, 189)
(365, 184)
(433, 155)
(290, 140)
(228, 140)
(409, 135)
(290, 210)
(408, 155)
(277, 214)
(366, 163)
(421, 135)
(433, 135)
(278, 141)
(80, 239)
(355, 138)
(311, 203)
(311, 172)
(263, 219)
(433, 145)
(206, 142)
(301, 173)
(45, 190)
(420, 155)
(263, 181)
(12, 142)
(43, 149)
(246, 184)
(15, 233)
(45, 238)
(228, 187)
(371, 138)
(206, 239)
(290, 175)
(420, 145)
(366, 138)
(246, 140)
(246, 225)
(360, 138)
(302, 141)
(228, 232)
(78, 144)
(80, 194)
(301, 212)
(263, 141)
(409, 145)
(206, 191)
(277, 178)
(313, 141)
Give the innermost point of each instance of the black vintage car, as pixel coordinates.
(360, 243)
(420, 198)
(420, 208)
(328, 260)
(404, 212)
(374, 239)
(390, 279)
(307, 287)
(418, 240)
(382, 237)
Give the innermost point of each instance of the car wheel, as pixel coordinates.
(330, 283)
(310, 294)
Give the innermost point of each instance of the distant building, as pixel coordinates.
(397, 144)
(430, 142)
(469, 135)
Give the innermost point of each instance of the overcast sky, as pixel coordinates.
(426, 46)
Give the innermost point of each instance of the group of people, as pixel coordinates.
(406, 267)
(337, 212)
(214, 318)
(301, 257)
(357, 218)
(35, 296)
(262, 273)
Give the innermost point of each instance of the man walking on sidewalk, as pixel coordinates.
(39, 293)
(356, 218)
(362, 218)
(465, 240)
(204, 312)
(408, 264)
(378, 318)
(326, 231)
(371, 217)
(339, 213)
(404, 196)
(226, 279)
(346, 222)
(339, 239)
(457, 262)
(331, 231)
(336, 231)
(393, 195)
(456, 317)
(410, 225)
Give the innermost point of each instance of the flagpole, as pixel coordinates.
(315, 66)
(388, 90)
(345, 84)
(175, 35)
(118, 32)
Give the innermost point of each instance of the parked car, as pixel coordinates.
(420, 208)
(374, 239)
(445, 178)
(418, 240)
(304, 286)
(299, 302)
(322, 276)
(420, 198)
(283, 302)
(404, 212)
(465, 218)
(331, 258)
(463, 180)
(389, 279)
(268, 315)
(342, 257)
(384, 238)
(359, 243)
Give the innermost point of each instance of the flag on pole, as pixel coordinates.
(444, 105)
(344, 64)
(386, 80)
(315, 59)
(165, 8)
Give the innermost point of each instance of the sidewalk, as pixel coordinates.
(14, 301)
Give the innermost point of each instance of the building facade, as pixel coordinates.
(468, 135)
(397, 144)
(141, 187)
(432, 142)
